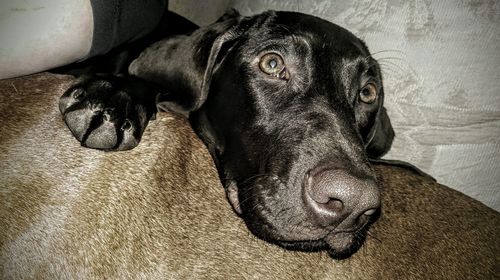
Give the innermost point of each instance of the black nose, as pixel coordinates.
(335, 197)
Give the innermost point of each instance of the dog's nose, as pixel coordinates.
(335, 197)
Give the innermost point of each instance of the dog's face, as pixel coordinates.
(290, 108)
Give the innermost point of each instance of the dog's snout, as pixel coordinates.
(334, 196)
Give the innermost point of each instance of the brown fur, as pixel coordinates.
(159, 211)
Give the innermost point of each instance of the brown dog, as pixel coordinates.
(67, 212)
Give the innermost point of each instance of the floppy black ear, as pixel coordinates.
(182, 66)
(380, 138)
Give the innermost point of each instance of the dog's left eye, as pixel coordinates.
(274, 65)
(368, 94)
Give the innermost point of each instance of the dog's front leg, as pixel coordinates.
(108, 112)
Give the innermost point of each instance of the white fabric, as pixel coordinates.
(441, 65)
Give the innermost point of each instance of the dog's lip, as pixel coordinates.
(321, 233)
(338, 241)
(232, 196)
(339, 244)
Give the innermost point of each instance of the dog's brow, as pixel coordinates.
(303, 38)
(350, 65)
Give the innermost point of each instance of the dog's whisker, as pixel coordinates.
(371, 235)
(403, 66)
(388, 65)
(384, 52)
(389, 69)
(256, 176)
(248, 197)
(285, 209)
(391, 58)
(388, 50)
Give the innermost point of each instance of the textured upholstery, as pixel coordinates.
(440, 61)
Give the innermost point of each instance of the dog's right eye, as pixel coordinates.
(273, 65)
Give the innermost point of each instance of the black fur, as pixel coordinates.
(266, 134)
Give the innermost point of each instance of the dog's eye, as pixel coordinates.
(368, 93)
(273, 65)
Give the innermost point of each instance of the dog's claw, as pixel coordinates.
(126, 125)
(107, 112)
(76, 93)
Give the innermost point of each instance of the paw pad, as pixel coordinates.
(103, 112)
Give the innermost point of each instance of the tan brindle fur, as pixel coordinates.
(159, 211)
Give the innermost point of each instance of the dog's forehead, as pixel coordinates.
(313, 30)
(296, 35)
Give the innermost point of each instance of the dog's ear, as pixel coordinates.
(182, 66)
(230, 14)
(379, 139)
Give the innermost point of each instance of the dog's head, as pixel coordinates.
(290, 107)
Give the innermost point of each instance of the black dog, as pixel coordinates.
(289, 105)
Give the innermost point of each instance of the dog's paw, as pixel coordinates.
(108, 112)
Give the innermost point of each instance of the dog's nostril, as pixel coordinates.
(96, 107)
(370, 212)
(334, 205)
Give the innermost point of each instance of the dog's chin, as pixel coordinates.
(338, 245)
(343, 245)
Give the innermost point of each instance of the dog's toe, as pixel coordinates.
(102, 113)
